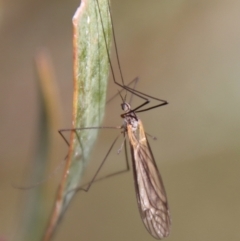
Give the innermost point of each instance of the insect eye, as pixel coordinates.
(125, 106)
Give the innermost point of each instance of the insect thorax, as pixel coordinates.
(132, 120)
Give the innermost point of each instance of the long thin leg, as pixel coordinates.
(153, 137)
(133, 91)
(105, 158)
(118, 61)
(141, 94)
(134, 87)
(84, 128)
(94, 179)
(99, 168)
(135, 80)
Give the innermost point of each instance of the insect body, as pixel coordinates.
(150, 191)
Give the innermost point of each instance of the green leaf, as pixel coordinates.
(92, 33)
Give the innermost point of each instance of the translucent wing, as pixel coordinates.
(150, 191)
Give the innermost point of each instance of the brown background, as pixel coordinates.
(187, 52)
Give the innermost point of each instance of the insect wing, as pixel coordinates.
(150, 191)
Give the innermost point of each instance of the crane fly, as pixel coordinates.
(149, 187)
(150, 191)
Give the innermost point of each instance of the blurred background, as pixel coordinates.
(187, 52)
